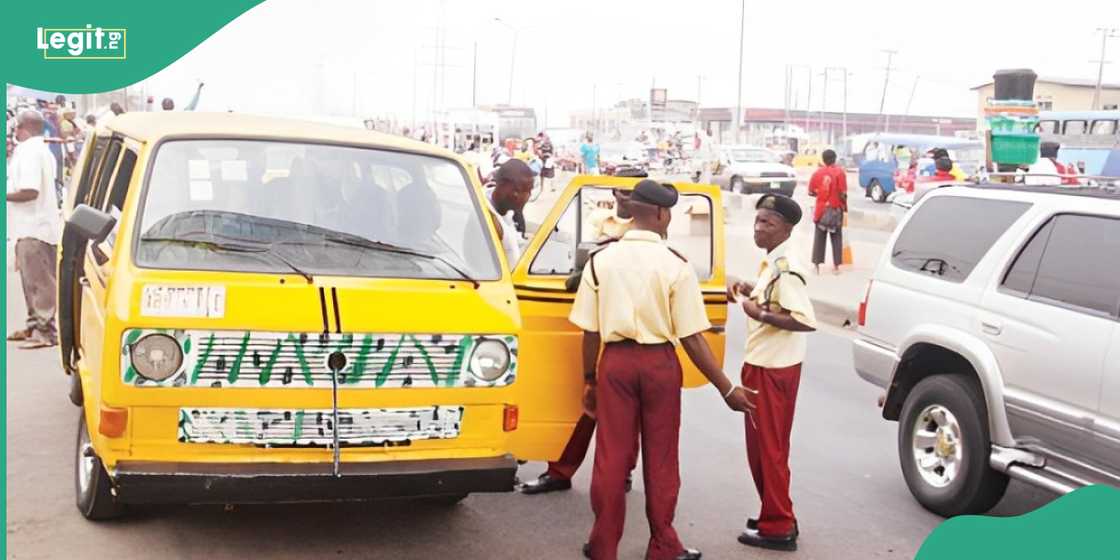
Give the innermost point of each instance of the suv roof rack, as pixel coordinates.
(1109, 191)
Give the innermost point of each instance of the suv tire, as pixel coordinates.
(92, 485)
(951, 476)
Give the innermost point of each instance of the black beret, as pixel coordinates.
(782, 204)
(657, 194)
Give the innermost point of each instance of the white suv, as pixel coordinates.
(993, 323)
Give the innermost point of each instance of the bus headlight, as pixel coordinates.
(156, 357)
(489, 360)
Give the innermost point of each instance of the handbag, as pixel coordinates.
(831, 219)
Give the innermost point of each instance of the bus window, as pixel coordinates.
(1104, 128)
(1048, 127)
(1075, 127)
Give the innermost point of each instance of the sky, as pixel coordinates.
(383, 58)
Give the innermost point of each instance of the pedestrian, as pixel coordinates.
(639, 298)
(35, 223)
(589, 152)
(779, 313)
(607, 227)
(955, 172)
(545, 151)
(168, 104)
(513, 183)
(944, 169)
(830, 185)
(1048, 170)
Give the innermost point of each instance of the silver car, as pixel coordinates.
(993, 324)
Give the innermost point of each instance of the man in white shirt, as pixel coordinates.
(34, 221)
(513, 183)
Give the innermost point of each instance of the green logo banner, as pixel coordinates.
(1082, 524)
(70, 46)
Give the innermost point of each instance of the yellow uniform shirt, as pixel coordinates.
(767, 345)
(638, 289)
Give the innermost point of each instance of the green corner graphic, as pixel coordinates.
(1083, 524)
(148, 38)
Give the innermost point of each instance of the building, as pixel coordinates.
(1058, 94)
(828, 127)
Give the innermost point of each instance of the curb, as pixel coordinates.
(832, 313)
(872, 220)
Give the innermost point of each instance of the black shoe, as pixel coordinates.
(587, 550)
(787, 543)
(752, 525)
(689, 554)
(545, 484)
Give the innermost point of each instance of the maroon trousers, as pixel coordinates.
(639, 392)
(768, 431)
(565, 467)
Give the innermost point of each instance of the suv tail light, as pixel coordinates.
(862, 318)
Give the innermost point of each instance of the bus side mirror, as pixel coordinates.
(91, 223)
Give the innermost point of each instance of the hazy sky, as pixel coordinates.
(378, 57)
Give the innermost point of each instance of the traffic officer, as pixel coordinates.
(640, 297)
(779, 313)
(608, 228)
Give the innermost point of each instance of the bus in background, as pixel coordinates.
(1089, 139)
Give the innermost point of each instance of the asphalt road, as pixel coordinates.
(849, 495)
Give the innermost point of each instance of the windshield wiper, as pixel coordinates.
(364, 243)
(232, 248)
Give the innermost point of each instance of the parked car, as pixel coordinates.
(751, 169)
(623, 158)
(887, 156)
(993, 324)
(241, 297)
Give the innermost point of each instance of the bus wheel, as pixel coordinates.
(92, 484)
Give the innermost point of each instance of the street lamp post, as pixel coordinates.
(739, 97)
(512, 59)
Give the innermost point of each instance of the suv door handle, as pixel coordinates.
(990, 328)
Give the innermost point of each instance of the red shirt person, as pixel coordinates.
(830, 185)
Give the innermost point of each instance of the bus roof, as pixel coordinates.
(923, 141)
(152, 127)
(1078, 115)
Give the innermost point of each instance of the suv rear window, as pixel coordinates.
(1052, 269)
(949, 235)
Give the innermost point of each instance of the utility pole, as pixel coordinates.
(845, 103)
(1106, 34)
(809, 101)
(886, 80)
(786, 100)
(512, 59)
(912, 92)
(824, 103)
(739, 97)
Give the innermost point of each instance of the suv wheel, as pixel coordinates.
(944, 447)
(91, 483)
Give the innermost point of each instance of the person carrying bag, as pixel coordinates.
(830, 183)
